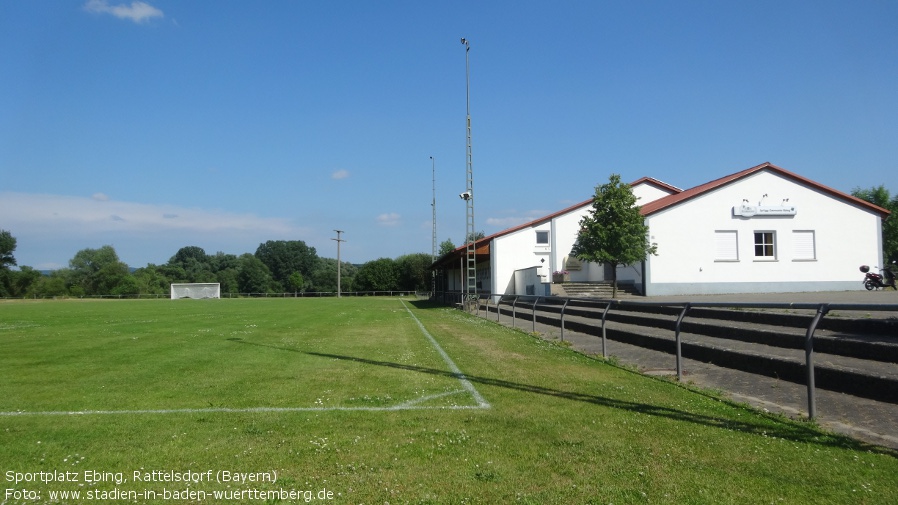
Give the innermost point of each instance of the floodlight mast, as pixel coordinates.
(470, 290)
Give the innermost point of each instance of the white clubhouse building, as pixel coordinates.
(761, 230)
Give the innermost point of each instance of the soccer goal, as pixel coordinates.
(196, 290)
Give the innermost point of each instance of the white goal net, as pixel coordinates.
(196, 290)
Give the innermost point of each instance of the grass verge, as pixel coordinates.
(348, 396)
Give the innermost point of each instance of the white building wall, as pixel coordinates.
(646, 193)
(567, 226)
(845, 236)
(516, 251)
(529, 282)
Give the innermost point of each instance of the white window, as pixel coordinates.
(804, 247)
(726, 245)
(542, 238)
(765, 245)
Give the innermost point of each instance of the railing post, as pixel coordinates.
(566, 300)
(605, 337)
(677, 338)
(809, 359)
(514, 312)
(533, 309)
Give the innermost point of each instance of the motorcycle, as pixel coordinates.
(876, 281)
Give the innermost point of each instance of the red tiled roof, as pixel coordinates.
(678, 196)
(655, 182)
(482, 245)
(669, 201)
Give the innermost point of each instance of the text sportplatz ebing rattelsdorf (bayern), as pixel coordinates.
(144, 485)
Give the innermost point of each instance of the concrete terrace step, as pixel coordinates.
(874, 340)
(597, 290)
(862, 363)
(887, 327)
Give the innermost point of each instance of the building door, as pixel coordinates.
(544, 266)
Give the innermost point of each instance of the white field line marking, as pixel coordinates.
(415, 401)
(250, 410)
(408, 405)
(451, 364)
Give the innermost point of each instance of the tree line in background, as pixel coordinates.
(880, 196)
(277, 266)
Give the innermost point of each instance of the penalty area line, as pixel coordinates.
(228, 410)
(412, 404)
(456, 372)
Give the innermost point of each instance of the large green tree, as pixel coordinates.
(191, 264)
(285, 257)
(253, 276)
(7, 248)
(414, 272)
(297, 282)
(324, 276)
(474, 237)
(378, 275)
(446, 247)
(99, 272)
(880, 196)
(18, 283)
(226, 268)
(151, 280)
(613, 232)
(55, 284)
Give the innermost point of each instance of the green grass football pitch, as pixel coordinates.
(374, 400)
(123, 357)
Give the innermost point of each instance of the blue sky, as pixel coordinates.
(151, 126)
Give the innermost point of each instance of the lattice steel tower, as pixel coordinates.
(468, 195)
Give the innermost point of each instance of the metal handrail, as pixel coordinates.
(821, 309)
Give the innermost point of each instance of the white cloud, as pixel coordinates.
(137, 11)
(506, 222)
(516, 218)
(80, 215)
(100, 197)
(340, 174)
(388, 219)
(51, 228)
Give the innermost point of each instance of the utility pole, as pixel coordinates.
(433, 238)
(468, 195)
(338, 239)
